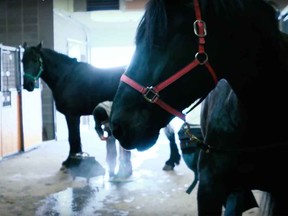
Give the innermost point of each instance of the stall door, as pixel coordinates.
(10, 135)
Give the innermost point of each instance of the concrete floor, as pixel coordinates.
(32, 184)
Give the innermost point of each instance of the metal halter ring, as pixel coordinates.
(201, 57)
(151, 95)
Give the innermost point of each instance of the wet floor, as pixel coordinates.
(150, 191)
(137, 197)
(32, 184)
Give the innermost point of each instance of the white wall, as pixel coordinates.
(70, 38)
(93, 34)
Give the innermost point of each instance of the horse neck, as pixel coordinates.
(52, 69)
(107, 79)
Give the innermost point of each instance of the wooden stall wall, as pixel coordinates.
(10, 124)
(10, 102)
(30, 21)
(20, 111)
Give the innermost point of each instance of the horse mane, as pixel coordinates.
(60, 57)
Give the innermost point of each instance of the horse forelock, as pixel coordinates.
(31, 53)
(153, 24)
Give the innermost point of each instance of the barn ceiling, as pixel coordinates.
(109, 28)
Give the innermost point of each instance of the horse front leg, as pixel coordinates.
(174, 152)
(73, 124)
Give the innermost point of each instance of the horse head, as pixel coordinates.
(181, 51)
(32, 65)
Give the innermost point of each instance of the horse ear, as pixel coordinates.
(39, 46)
(24, 45)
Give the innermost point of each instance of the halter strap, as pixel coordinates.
(151, 94)
(39, 73)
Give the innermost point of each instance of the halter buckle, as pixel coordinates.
(150, 94)
(200, 25)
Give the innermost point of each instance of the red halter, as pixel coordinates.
(151, 94)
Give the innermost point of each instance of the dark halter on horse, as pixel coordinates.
(34, 78)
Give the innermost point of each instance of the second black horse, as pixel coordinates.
(77, 87)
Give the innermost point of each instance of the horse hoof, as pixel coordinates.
(168, 167)
(64, 169)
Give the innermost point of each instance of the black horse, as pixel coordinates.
(244, 46)
(77, 87)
